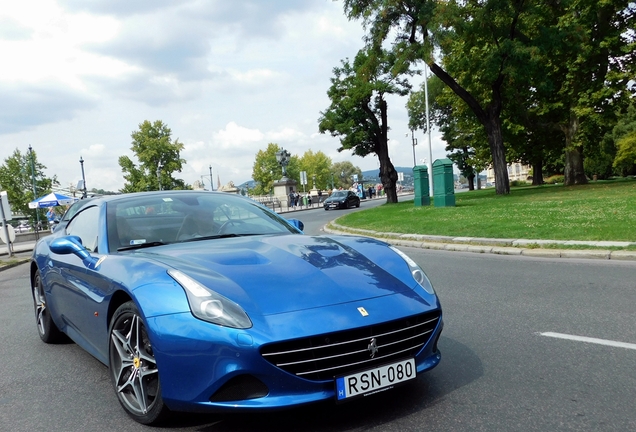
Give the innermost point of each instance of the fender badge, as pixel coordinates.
(363, 311)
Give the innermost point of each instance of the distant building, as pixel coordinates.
(516, 171)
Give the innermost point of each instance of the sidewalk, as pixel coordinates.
(21, 254)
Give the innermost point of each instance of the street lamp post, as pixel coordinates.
(211, 181)
(414, 140)
(81, 161)
(282, 157)
(35, 194)
(428, 132)
(159, 175)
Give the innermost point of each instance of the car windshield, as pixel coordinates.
(170, 217)
(338, 194)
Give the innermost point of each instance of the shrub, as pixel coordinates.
(558, 178)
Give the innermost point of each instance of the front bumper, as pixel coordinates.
(197, 362)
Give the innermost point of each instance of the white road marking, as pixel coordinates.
(590, 340)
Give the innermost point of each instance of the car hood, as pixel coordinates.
(285, 273)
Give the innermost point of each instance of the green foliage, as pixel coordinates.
(158, 156)
(555, 179)
(547, 76)
(16, 177)
(357, 95)
(625, 160)
(102, 192)
(317, 166)
(589, 60)
(599, 159)
(358, 115)
(343, 173)
(624, 137)
(266, 169)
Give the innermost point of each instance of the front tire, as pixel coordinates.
(133, 369)
(47, 329)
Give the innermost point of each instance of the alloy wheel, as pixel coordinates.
(133, 365)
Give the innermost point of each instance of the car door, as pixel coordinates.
(73, 295)
(351, 199)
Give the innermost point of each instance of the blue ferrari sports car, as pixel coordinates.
(207, 301)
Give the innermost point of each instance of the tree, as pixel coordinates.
(358, 110)
(316, 165)
(590, 62)
(624, 137)
(16, 177)
(482, 44)
(343, 173)
(464, 136)
(266, 170)
(158, 158)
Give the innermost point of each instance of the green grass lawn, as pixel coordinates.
(602, 210)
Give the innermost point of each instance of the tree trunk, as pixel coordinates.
(388, 175)
(574, 173)
(537, 172)
(471, 182)
(490, 118)
(499, 165)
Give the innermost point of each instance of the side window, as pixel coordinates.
(85, 226)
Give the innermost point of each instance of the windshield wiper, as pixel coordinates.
(141, 246)
(218, 236)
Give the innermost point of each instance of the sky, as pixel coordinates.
(77, 77)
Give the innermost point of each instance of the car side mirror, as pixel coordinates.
(73, 245)
(297, 224)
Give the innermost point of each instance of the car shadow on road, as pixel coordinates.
(459, 367)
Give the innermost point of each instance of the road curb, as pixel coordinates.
(7, 266)
(486, 245)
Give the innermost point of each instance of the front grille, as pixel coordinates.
(325, 356)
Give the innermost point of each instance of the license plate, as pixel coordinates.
(375, 380)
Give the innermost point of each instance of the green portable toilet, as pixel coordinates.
(443, 184)
(420, 174)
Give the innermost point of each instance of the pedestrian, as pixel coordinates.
(50, 215)
(291, 202)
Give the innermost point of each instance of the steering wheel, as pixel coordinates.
(228, 223)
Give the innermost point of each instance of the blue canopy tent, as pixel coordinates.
(51, 200)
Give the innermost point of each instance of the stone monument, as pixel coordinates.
(284, 186)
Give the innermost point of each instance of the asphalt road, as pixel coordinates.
(499, 368)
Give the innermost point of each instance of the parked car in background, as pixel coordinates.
(23, 226)
(341, 199)
(208, 301)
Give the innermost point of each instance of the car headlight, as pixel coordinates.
(416, 271)
(210, 306)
